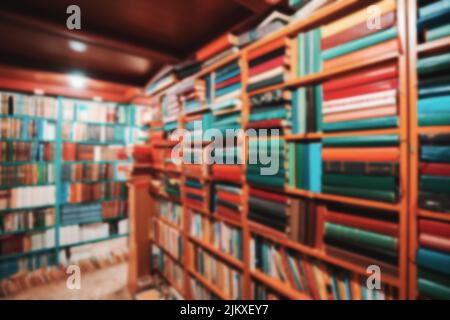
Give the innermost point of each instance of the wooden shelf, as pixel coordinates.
(434, 130)
(172, 283)
(358, 202)
(434, 215)
(223, 256)
(169, 223)
(304, 136)
(208, 285)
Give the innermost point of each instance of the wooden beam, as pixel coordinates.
(87, 38)
(257, 6)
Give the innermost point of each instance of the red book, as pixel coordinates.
(390, 46)
(359, 31)
(376, 112)
(369, 88)
(229, 197)
(197, 192)
(228, 213)
(311, 279)
(228, 82)
(273, 123)
(268, 196)
(362, 77)
(440, 229)
(194, 203)
(232, 173)
(387, 228)
(435, 169)
(220, 44)
(271, 64)
(433, 242)
(269, 47)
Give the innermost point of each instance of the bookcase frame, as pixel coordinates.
(322, 16)
(417, 50)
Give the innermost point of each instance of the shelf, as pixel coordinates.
(223, 256)
(434, 215)
(20, 116)
(91, 202)
(434, 47)
(105, 220)
(362, 133)
(26, 254)
(34, 140)
(321, 255)
(358, 202)
(283, 288)
(25, 231)
(27, 209)
(172, 283)
(169, 223)
(26, 185)
(208, 285)
(97, 143)
(434, 129)
(304, 136)
(93, 241)
(93, 161)
(168, 253)
(227, 220)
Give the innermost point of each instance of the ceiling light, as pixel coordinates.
(77, 46)
(97, 99)
(77, 80)
(39, 92)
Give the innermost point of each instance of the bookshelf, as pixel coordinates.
(421, 215)
(43, 126)
(397, 283)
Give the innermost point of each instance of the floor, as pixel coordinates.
(104, 284)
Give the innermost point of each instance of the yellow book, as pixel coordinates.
(320, 283)
(356, 18)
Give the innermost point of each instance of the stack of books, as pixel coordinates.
(227, 201)
(306, 113)
(434, 91)
(11, 151)
(352, 38)
(79, 172)
(87, 213)
(305, 223)
(26, 197)
(305, 166)
(217, 50)
(88, 192)
(170, 211)
(171, 109)
(362, 167)
(433, 22)
(309, 53)
(366, 100)
(433, 259)
(270, 110)
(191, 93)
(114, 209)
(168, 238)
(227, 82)
(266, 163)
(168, 267)
(163, 79)
(196, 194)
(27, 174)
(172, 185)
(362, 236)
(269, 65)
(27, 220)
(434, 172)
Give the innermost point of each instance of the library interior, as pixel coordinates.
(225, 150)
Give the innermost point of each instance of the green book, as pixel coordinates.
(300, 159)
(362, 141)
(374, 123)
(383, 183)
(270, 181)
(376, 195)
(437, 33)
(368, 238)
(434, 119)
(360, 44)
(435, 184)
(433, 290)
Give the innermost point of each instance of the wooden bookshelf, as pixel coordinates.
(325, 15)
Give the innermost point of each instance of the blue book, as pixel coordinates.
(294, 115)
(228, 75)
(348, 292)
(315, 164)
(434, 260)
(434, 8)
(439, 154)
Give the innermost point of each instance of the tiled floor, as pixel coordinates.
(105, 284)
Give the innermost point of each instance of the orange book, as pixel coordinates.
(222, 43)
(271, 46)
(376, 112)
(382, 154)
(360, 55)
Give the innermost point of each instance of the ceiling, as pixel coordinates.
(121, 41)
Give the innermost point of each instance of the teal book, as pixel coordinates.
(272, 113)
(433, 290)
(440, 119)
(437, 33)
(362, 141)
(376, 195)
(434, 260)
(318, 103)
(437, 63)
(433, 8)
(374, 123)
(360, 44)
(383, 183)
(315, 167)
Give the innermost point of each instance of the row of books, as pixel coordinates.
(168, 238)
(170, 211)
(433, 17)
(227, 201)
(227, 82)
(114, 209)
(191, 94)
(434, 172)
(167, 267)
(25, 105)
(89, 111)
(27, 174)
(30, 242)
(12, 151)
(12, 267)
(171, 109)
(27, 220)
(433, 259)
(38, 129)
(27, 197)
(172, 183)
(306, 115)
(82, 214)
(88, 192)
(81, 152)
(260, 291)
(222, 236)
(75, 234)
(305, 166)
(79, 172)
(362, 166)
(199, 292)
(224, 277)
(196, 194)
(81, 132)
(317, 279)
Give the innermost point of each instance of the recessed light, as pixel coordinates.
(77, 46)
(39, 92)
(97, 99)
(77, 80)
